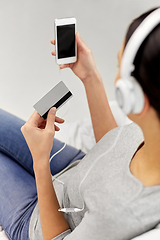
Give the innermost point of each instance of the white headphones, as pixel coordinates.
(129, 93)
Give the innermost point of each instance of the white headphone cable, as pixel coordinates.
(71, 210)
(57, 152)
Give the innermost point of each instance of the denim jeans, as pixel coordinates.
(18, 194)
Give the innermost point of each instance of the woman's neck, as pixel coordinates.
(145, 164)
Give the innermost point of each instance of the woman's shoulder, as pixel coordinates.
(130, 133)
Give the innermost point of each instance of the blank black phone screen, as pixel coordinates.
(66, 41)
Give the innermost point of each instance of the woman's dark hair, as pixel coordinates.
(147, 62)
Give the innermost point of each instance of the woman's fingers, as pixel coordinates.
(35, 119)
(42, 125)
(56, 128)
(51, 119)
(53, 41)
(59, 120)
(62, 66)
(38, 121)
(53, 52)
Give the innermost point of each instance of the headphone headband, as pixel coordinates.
(133, 45)
(129, 92)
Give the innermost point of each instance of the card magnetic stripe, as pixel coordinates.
(59, 103)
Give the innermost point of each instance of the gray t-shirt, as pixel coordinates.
(115, 204)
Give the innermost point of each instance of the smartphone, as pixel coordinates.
(65, 36)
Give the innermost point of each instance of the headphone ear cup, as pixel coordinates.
(129, 95)
(123, 95)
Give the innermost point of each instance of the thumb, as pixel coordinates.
(51, 119)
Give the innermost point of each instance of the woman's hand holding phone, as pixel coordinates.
(84, 67)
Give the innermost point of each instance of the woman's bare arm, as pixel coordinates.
(39, 136)
(101, 115)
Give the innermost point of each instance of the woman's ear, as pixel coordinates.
(140, 117)
(146, 106)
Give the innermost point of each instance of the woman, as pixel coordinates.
(113, 192)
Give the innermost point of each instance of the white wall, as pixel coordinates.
(27, 69)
